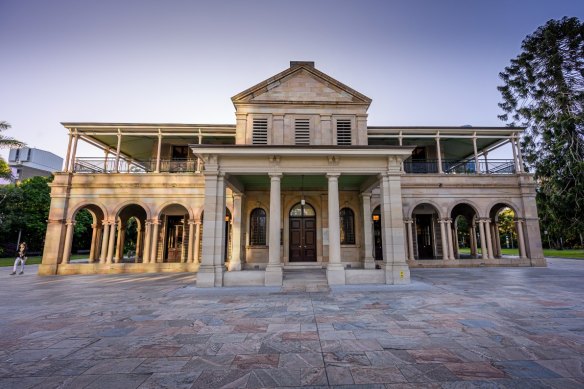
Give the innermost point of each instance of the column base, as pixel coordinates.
(369, 263)
(397, 274)
(335, 274)
(274, 275)
(210, 277)
(234, 266)
(47, 270)
(538, 262)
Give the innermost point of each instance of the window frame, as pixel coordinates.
(343, 223)
(257, 236)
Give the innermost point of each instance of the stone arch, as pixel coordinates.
(505, 232)
(497, 205)
(87, 242)
(137, 202)
(434, 204)
(467, 202)
(94, 207)
(170, 203)
(130, 237)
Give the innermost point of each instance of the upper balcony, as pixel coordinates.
(164, 148)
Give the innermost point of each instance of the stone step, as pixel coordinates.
(304, 280)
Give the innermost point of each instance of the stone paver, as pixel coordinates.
(450, 328)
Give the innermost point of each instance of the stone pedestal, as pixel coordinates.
(274, 276)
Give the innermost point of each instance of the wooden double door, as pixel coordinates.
(303, 239)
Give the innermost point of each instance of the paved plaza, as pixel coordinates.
(451, 328)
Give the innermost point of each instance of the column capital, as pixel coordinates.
(408, 220)
(198, 222)
(275, 175)
(365, 194)
(332, 176)
(70, 222)
(192, 222)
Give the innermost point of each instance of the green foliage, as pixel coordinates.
(507, 229)
(544, 91)
(82, 232)
(25, 208)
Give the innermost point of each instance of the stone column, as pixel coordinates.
(104, 241)
(94, 242)
(410, 238)
(120, 243)
(154, 244)
(147, 242)
(520, 238)
(368, 260)
(274, 275)
(443, 239)
(456, 242)
(68, 157)
(448, 226)
(489, 237)
(68, 241)
(235, 262)
(473, 240)
(158, 151)
(73, 153)
(196, 258)
(117, 163)
(439, 154)
(111, 242)
(335, 272)
(483, 238)
(496, 240)
(139, 237)
(476, 155)
(191, 241)
(392, 231)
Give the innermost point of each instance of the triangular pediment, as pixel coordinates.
(301, 84)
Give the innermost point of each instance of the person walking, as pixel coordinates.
(20, 259)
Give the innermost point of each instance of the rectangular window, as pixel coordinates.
(343, 132)
(260, 132)
(302, 132)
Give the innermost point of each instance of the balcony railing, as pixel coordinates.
(103, 165)
(427, 166)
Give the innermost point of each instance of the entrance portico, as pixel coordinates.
(332, 168)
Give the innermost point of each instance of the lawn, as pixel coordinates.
(578, 254)
(33, 260)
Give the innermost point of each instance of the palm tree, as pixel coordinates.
(6, 142)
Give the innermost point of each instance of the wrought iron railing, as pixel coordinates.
(103, 165)
(427, 166)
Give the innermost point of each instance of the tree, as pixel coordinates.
(6, 142)
(544, 91)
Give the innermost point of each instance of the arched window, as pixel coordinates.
(257, 223)
(347, 226)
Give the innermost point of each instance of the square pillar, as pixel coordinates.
(392, 231)
(274, 275)
(211, 272)
(368, 261)
(335, 272)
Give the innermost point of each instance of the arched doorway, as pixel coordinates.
(377, 242)
(466, 234)
(302, 223)
(129, 246)
(427, 235)
(173, 234)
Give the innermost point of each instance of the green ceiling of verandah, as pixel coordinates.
(301, 182)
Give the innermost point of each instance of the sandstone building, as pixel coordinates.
(300, 180)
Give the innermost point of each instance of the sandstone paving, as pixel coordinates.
(450, 328)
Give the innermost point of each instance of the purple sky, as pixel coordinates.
(422, 62)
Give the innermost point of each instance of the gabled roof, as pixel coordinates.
(301, 83)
